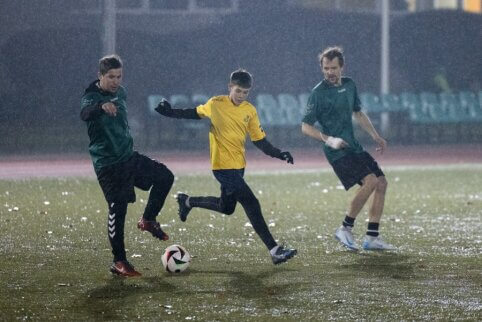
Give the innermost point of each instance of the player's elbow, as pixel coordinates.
(304, 128)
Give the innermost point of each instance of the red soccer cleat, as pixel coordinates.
(153, 227)
(124, 268)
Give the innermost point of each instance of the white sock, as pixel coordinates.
(273, 250)
(187, 202)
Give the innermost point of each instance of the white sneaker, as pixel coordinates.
(345, 236)
(376, 243)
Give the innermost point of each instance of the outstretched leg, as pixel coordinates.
(153, 175)
(279, 254)
(251, 206)
(162, 183)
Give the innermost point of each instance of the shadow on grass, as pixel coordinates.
(264, 285)
(380, 264)
(109, 300)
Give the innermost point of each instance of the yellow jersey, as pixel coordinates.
(229, 126)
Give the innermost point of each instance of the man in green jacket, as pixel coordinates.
(333, 103)
(118, 167)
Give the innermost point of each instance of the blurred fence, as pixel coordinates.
(414, 118)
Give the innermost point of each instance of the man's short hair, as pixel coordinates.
(331, 53)
(109, 62)
(242, 78)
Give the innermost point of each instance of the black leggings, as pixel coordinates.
(118, 181)
(226, 204)
(115, 229)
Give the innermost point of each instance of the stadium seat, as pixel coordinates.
(199, 99)
(180, 101)
(478, 108)
(152, 101)
(469, 103)
(417, 113)
(371, 103)
(391, 103)
(268, 111)
(303, 98)
(480, 99)
(291, 108)
(450, 106)
(431, 103)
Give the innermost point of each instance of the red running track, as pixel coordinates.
(70, 165)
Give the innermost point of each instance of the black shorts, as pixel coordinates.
(352, 168)
(230, 179)
(118, 180)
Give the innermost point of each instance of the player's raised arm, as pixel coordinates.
(164, 108)
(268, 149)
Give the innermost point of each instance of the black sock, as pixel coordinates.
(373, 229)
(348, 222)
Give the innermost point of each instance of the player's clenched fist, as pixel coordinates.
(287, 157)
(109, 108)
(164, 108)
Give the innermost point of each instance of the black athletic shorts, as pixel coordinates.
(118, 180)
(231, 180)
(352, 168)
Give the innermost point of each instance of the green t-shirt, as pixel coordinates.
(332, 107)
(110, 138)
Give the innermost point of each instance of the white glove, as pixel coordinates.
(335, 143)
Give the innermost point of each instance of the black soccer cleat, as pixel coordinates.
(283, 254)
(183, 208)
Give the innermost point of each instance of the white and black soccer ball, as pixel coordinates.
(175, 259)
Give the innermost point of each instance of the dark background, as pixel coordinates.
(48, 55)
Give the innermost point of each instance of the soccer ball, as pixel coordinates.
(175, 259)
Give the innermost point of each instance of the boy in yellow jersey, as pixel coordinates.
(232, 118)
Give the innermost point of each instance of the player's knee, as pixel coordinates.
(165, 177)
(228, 208)
(370, 181)
(382, 184)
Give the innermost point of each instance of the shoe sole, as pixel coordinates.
(183, 218)
(352, 248)
(379, 249)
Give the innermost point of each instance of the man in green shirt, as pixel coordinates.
(118, 167)
(332, 104)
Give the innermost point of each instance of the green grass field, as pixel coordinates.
(55, 253)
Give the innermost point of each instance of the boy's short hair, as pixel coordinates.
(242, 78)
(331, 53)
(109, 62)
